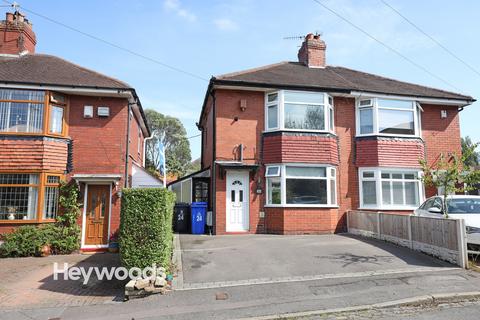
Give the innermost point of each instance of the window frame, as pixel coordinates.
(416, 110)
(47, 103)
(41, 186)
(377, 171)
(280, 103)
(330, 175)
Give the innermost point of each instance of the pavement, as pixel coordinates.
(288, 275)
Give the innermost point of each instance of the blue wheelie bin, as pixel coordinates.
(198, 212)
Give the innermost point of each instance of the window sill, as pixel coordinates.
(388, 135)
(301, 206)
(26, 221)
(299, 131)
(389, 208)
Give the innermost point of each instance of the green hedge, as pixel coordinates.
(146, 227)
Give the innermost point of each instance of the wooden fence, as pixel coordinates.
(442, 238)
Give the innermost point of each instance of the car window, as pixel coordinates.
(437, 203)
(427, 204)
(464, 205)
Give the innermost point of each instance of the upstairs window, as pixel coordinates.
(299, 111)
(388, 117)
(21, 111)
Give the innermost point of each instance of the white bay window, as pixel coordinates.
(388, 188)
(299, 111)
(388, 117)
(298, 185)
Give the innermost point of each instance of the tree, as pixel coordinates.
(173, 136)
(468, 147)
(451, 174)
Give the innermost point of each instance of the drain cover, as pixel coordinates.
(221, 296)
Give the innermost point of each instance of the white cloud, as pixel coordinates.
(176, 7)
(225, 24)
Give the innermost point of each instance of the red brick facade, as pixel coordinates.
(389, 152)
(343, 150)
(40, 154)
(98, 147)
(303, 148)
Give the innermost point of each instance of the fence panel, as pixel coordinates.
(442, 238)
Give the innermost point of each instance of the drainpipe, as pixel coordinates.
(154, 133)
(214, 166)
(127, 152)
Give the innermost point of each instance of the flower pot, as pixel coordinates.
(46, 251)
(113, 247)
(11, 216)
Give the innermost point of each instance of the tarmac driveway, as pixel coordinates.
(216, 261)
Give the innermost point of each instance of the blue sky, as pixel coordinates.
(215, 37)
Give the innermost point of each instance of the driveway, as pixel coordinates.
(28, 283)
(251, 259)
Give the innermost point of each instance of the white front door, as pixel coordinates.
(237, 201)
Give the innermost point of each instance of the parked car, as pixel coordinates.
(459, 207)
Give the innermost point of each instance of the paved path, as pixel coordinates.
(27, 283)
(253, 259)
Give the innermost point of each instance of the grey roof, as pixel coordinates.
(332, 78)
(50, 70)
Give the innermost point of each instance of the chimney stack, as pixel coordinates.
(16, 35)
(312, 51)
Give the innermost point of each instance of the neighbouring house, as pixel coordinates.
(60, 121)
(289, 148)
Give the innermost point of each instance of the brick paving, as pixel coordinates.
(27, 283)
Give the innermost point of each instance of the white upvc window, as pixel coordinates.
(390, 188)
(299, 111)
(301, 185)
(388, 117)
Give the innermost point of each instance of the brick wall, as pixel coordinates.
(301, 220)
(347, 173)
(293, 147)
(99, 143)
(440, 135)
(389, 152)
(247, 130)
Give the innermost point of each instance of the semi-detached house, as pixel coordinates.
(289, 148)
(62, 121)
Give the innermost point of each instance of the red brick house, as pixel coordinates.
(62, 121)
(290, 147)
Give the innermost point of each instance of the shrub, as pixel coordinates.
(23, 242)
(63, 237)
(146, 227)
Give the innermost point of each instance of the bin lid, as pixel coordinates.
(199, 204)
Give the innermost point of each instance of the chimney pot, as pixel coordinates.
(9, 17)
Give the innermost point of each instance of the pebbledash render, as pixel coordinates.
(61, 121)
(289, 148)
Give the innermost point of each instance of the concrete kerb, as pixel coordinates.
(413, 301)
(177, 283)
